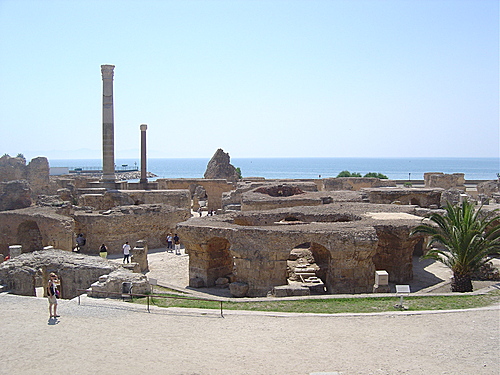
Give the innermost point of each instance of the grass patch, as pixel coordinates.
(335, 306)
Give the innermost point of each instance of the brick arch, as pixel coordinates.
(322, 258)
(29, 236)
(220, 261)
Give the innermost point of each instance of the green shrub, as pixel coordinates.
(376, 175)
(348, 174)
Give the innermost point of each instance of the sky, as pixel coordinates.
(256, 78)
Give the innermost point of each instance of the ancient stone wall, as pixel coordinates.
(36, 172)
(444, 181)
(75, 271)
(404, 196)
(14, 195)
(256, 249)
(355, 183)
(213, 188)
(128, 223)
(35, 228)
(114, 198)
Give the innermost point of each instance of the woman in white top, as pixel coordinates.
(52, 294)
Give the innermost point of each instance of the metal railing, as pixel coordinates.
(148, 297)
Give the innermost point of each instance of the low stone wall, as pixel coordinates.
(355, 183)
(405, 196)
(109, 285)
(114, 198)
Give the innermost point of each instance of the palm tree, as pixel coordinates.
(468, 237)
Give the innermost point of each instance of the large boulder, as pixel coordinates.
(219, 167)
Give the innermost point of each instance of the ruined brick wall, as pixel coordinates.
(36, 172)
(355, 183)
(35, 228)
(444, 181)
(410, 196)
(213, 188)
(128, 223)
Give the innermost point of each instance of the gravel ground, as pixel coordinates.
(109, 337)
(114, 337)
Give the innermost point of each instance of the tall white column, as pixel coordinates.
(108, 135)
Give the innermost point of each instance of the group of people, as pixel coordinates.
(173, 243)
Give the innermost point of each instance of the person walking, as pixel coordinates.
(52, 294)
(169, 243)
(103, 251)
(126, 252)
(177, 245)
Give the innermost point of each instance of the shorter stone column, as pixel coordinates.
(140, 255)
(15, 250)
(381, 282)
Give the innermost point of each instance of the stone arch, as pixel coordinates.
(29, 236)
(315, 259)
(220, 260)
(415, 201)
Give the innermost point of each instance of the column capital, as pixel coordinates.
(144, 127)
(107, 71)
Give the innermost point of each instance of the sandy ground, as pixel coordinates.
(113, 337)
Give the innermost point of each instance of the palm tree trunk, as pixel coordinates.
(461, 283)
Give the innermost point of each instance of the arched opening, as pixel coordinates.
(415, 202)
(308, 265)
(220, 261)
(29, 236)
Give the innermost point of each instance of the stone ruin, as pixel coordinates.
(284, 237)
(348, 241)
(25, 273)
(219, 167)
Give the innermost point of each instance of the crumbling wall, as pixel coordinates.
(444, 181)
(35, 228)
(355, 183)
(75, 271)
(150, 222)
(405, 196)
(214, 188)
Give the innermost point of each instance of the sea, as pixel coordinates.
(308, 168)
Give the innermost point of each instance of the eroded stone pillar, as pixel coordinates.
(108, 141)
(144, 179)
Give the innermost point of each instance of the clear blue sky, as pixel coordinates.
(256, 78)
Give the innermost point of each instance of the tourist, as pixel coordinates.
(169, 243)
(177, 245)
(53, 294)
(126, 252)
(103, 251)
(80, 242)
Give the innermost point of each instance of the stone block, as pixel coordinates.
(381, 278)
(290, 290)
(196, 282)
(15, 250)
(238, 289)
